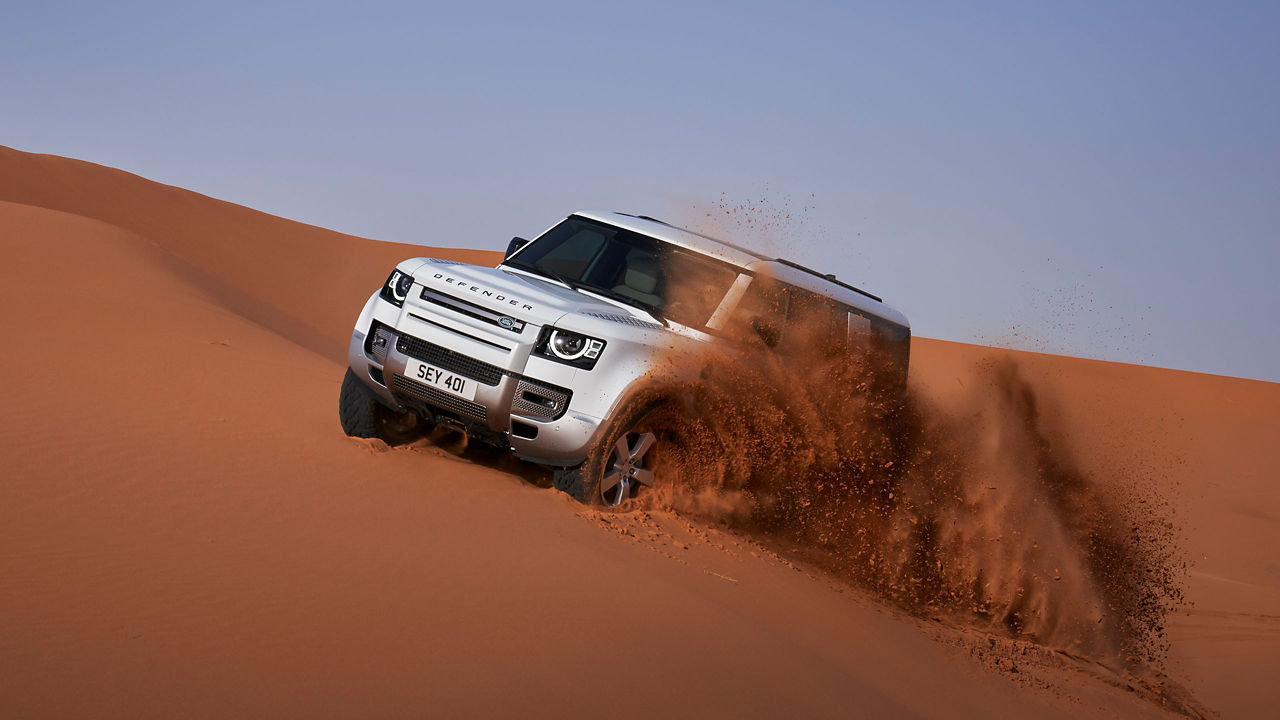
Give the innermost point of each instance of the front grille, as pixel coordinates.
(533, 399)
(472, 310)
(438, 398)
(452, 361)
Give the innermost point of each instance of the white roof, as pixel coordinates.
(697, 242)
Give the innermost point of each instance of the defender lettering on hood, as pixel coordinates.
(465, 285)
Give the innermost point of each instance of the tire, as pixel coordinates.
(623, 463)
(363, 416)
(572, 482)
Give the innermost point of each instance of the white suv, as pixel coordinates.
(555, 353)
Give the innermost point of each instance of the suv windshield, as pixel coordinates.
(636, 269)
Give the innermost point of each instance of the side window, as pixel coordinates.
(694, 286)
(797, 321)
(816, 323)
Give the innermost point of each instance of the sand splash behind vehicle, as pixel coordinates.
(983, 517)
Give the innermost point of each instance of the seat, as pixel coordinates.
(640, 279)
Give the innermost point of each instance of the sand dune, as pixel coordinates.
(184, 530)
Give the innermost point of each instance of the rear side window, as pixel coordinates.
(859, 328)
(815, 323)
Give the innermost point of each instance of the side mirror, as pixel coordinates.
(514, 246)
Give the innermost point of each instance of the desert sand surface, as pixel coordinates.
(185, 530)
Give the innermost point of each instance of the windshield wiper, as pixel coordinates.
(551, 274)
(651, 309)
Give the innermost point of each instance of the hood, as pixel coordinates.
(511, 293)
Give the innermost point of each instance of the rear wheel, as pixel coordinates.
(631, 459)
(362, 415)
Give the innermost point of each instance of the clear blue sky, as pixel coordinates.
(1100, 180)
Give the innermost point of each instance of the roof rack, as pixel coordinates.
(828, 277)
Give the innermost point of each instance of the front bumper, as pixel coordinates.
(532, 417)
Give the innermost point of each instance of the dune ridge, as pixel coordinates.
(186, 531)
(285, 274)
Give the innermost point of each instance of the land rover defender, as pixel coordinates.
(550, 355)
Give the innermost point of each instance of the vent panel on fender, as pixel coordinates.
(537, 399)
(624, 320)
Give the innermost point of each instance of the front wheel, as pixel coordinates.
(363, 416)
(629, 460)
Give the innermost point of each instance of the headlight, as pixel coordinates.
(568, 347)
(396, 288)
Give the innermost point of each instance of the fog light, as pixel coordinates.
(379, 342)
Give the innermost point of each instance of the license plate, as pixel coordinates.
(451, 383)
